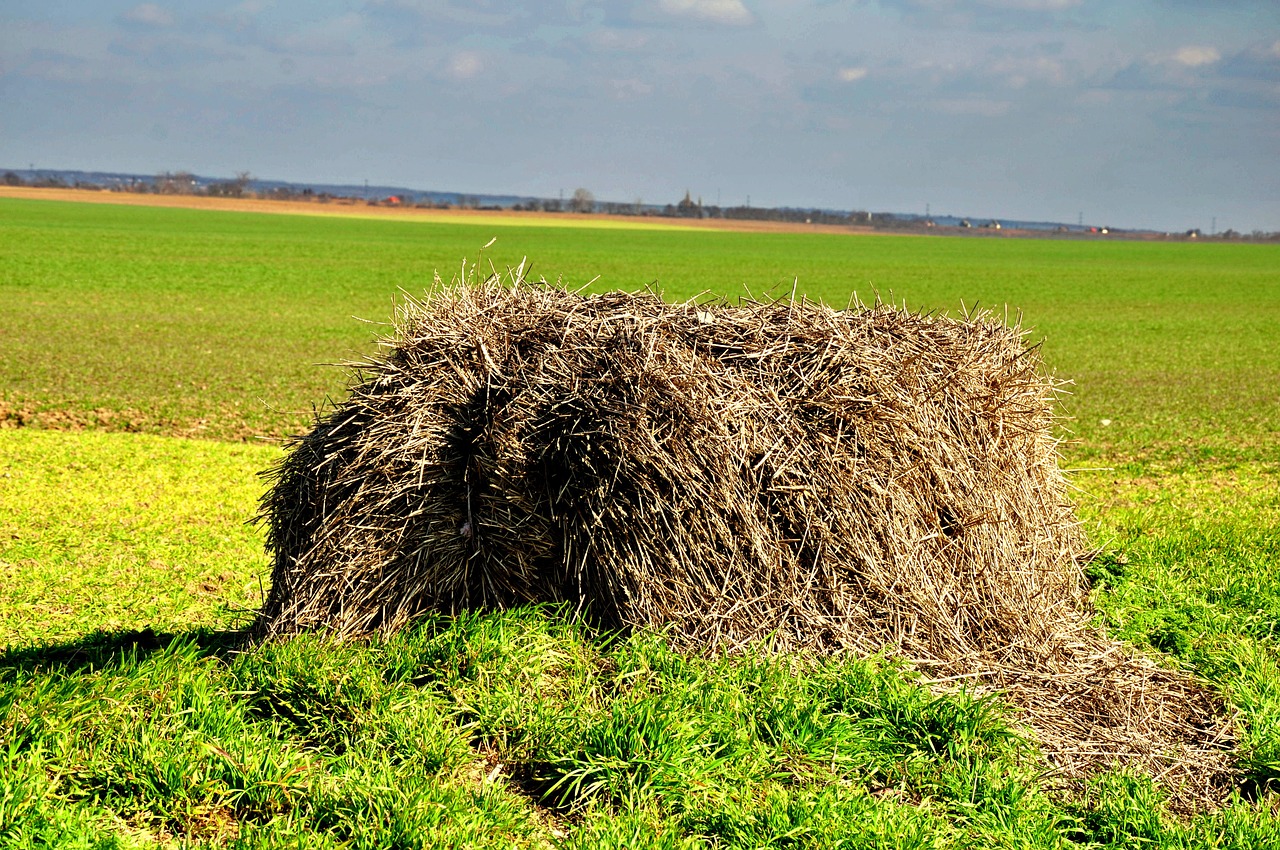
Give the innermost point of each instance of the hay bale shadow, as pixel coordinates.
(106, 649)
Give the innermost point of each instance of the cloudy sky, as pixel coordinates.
(1136, 113)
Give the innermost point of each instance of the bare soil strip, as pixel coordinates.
(354, 208)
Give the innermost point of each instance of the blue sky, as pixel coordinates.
(1152, 113)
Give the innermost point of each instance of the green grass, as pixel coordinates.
(522, 730)
(212, 323)
(1193, 570)
(118, 531)
(128, 718)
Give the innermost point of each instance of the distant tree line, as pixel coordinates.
(582, 201)
(689, 207)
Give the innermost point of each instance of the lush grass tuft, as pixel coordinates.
(522, 728)
(1192, 570)
(498, 729)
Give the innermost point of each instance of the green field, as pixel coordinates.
(148, 351)
(212, 323)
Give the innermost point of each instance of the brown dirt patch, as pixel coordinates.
(229, 424)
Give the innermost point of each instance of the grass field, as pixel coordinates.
(210, 323)
(126, 720)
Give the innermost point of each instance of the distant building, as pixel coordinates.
(688, 208)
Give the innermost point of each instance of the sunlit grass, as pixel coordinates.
(1191, 568)
(125, 531)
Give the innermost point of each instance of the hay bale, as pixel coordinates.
(780, 473)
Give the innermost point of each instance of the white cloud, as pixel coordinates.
(149, 15)
(1195, 56)
(851, 75)
(711, 11)
(465, 65)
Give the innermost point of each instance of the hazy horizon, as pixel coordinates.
(1161, 114)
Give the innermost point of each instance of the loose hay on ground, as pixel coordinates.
(773, 474)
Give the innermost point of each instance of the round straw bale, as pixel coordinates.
(773, 474)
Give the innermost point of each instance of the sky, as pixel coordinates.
(1159, 114)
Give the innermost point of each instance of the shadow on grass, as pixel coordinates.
(105, 649)
(1260, 777)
